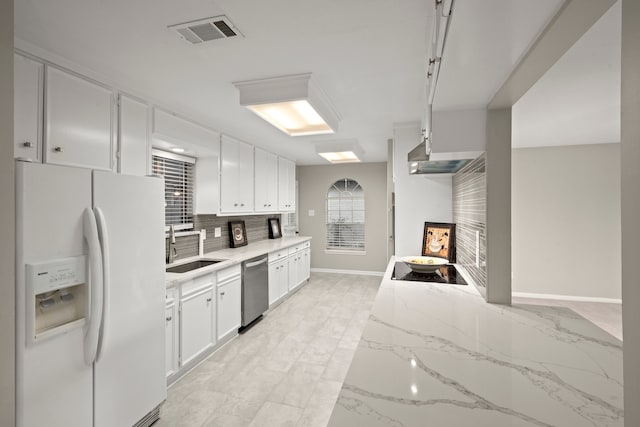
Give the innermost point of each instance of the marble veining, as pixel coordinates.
(439, 355)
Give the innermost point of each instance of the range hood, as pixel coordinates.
(422, 160)
(421, 163)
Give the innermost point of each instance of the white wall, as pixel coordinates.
(630, 211)
(419, 198)
(7, 222)
(566, 220)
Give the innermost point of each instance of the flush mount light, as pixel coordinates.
(177, 150)
(292, 103)
(344, 151)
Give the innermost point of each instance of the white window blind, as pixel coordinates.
(345, 216)
(178, 187)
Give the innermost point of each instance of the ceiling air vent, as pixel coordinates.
(206, 30)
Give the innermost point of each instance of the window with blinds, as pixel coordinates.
(178, 187)
(345, 216)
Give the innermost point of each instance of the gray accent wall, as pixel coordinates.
(7, 220)
(187, 246)
(498, 171)
(566, 220)
(470, 217)
(313, 183)
(630, 209)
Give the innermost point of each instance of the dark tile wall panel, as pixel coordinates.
(470, 216)
(187, 246)
(256, 226)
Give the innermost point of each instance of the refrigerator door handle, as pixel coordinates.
(95, 286)
(103, 235)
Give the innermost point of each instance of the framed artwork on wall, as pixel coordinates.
(439, 240)
(237, 234)
(275, 232)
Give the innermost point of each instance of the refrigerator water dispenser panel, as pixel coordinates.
(57, 297)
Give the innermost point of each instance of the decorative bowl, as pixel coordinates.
(424, 264)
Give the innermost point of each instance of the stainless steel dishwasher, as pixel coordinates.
(255, 288)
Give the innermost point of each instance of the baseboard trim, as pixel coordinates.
(357, 272)
(566, 297)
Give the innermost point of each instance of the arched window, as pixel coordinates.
(345, 216)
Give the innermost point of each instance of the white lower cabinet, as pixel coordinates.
(197, 317)
(229, 316)
(278, 275)
(299, 264)
(294, 262)
(305, 265)
(278, 280)
(172, 337)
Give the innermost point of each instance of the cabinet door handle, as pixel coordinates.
(58, 149)
(265, 206)
(241, 204)
(221, 294)
(27, 144)
(208, 299)
(169, 319)
(235, 204)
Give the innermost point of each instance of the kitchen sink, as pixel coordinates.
(193, 265)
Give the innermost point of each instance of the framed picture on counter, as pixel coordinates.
(275, 232)
(439, 239)
(237, 234)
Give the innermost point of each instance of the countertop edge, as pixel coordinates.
(231, 257)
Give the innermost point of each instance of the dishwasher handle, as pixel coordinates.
(253, 264)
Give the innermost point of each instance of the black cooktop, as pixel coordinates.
(446, 274)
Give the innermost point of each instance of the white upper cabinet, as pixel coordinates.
(286, 185)
(133, 136)
(79, 122)
(236, 176)
(207, 194)
(27, 108)
(266, 181)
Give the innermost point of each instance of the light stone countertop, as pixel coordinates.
(439, 355)
(231, 256)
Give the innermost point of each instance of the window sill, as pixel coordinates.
(343, 252)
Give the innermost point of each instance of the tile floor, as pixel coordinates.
(285, 371)
(607, 316)
(289, 368)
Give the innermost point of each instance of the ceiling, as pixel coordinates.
(486, 41)
(367, 55)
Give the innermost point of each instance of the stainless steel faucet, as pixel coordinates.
(173, 252)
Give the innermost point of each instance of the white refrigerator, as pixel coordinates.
(89, 297)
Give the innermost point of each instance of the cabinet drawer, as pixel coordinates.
(197, 284)
(274, 256)
(228, 273)
(170, 296)
(294, 249)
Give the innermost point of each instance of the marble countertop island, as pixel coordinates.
(439, 355)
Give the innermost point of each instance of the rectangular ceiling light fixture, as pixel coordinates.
(340, 151)
(290, 103)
